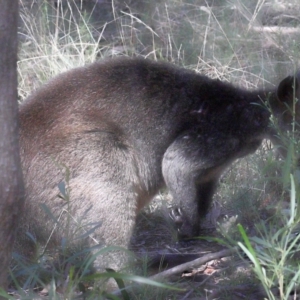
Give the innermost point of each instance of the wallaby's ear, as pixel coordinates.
(288, 88)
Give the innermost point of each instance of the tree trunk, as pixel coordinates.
(11, 183)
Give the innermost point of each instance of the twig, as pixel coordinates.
(183, 267)
(192, 264)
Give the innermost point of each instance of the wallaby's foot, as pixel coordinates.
(185, 229)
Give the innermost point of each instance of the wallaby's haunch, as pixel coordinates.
(124, 128)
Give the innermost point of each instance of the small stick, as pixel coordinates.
(193, 264)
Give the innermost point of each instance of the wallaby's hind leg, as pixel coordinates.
(116, 220)
(103, 185)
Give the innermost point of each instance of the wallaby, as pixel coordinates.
(184, 162)
(123, 128)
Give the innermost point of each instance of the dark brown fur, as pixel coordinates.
(124, 128)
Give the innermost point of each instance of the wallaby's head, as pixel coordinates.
(282, 104)
(286, 107)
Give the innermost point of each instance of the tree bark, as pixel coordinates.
(11, 183)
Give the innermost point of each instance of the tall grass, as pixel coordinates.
(221, 41)
(274, 251)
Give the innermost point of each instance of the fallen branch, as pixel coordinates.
(192, 264)
(181, 268)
